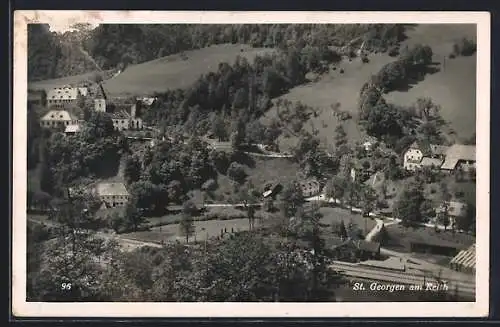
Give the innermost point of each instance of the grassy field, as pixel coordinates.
(176, 71)
(260, 171)
(331, 88)
(454, 86)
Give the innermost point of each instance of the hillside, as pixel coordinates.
(453, 87)
(52, 55)
(177, 71)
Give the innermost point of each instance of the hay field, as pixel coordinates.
(176, 71)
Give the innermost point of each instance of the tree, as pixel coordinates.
(133, 169)
(341, 231)
(427, 210)
(186, 226)
(336, 188)
(467, 221)
(407, 207)
(292, 199)
(236, 172)
(219, 128)
(255, 132)
(340, 136)
(100, 125)
(443, 216)
(133, 216)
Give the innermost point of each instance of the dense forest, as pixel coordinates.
(52, 55)
(117, 45)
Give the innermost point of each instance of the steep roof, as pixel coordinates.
(104, 189)
(429, 149)
(99, 92)
(63, 93)
(466, 258)
(58, 115)
(458, 152)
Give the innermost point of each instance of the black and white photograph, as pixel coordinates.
(242, 164)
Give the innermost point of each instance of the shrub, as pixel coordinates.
(451, 56)
(341, 70)
(394, 51)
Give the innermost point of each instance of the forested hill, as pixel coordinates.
(117, 45)
(52, 55)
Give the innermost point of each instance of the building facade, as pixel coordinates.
(113, 194)
(63, 97)
(58, 119)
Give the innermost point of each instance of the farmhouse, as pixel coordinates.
(63, 97)
(310, 187)
(58, 118)
(112, 194)
(460, 156)
(125, 117)
(454, 209)
(421, 155)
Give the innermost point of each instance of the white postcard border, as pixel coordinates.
(372, 309)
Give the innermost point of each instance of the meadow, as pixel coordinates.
(453, 87)
(176, 71)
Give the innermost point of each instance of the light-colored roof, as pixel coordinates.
(83, 91)
(58, 115)
(466, 258)
(426, 161)
(455, 208)
(104, 189)
(146, 101)
(63, 93)
(72, 128)
(458, 152)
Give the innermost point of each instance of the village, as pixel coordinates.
(394, 214)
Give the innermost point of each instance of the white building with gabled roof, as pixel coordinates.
(58, 118)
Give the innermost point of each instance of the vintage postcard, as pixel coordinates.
(251, 164)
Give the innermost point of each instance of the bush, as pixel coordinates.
(341, 70)
(394, 51)
(451, 56)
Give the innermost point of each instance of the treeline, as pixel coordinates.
(242, 266)
(51, 55)
(391, 122)
(122, 44)
(241, 90)
(93, 153)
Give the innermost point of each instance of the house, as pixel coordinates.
(465, 260)
(455, 209)
(418, 151)
(112, 194)
(100, 98)
(145, 101)
(57, 119)
(72, 129)
(63, 97)
(84, 91)
(125, 117)
(310, 187)
(460, 156)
